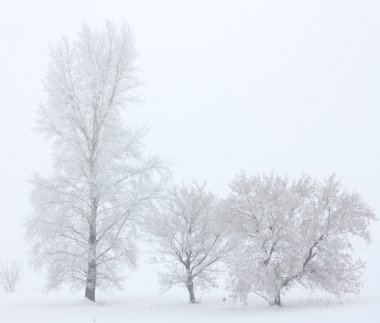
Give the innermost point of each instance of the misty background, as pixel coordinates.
(286, 86)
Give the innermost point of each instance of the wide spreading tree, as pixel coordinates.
(294, 231)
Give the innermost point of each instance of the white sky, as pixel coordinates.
(288, 86)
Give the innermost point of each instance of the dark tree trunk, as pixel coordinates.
(90, 290)
(277, 300)
(91, 281)
(91, 270)
(190, 288)
(91, 266)
(189, 282)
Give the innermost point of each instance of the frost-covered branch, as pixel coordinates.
(300, 232)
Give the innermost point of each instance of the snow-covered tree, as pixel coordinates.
(188, 238)
(82, 229)
(10, 275)
(291, 232)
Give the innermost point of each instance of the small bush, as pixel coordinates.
(10, 275)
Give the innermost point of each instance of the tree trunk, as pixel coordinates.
(277, 300)
(190, 288)
(91, 267)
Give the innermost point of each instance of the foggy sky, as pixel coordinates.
(284, 86)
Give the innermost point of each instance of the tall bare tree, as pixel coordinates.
(82, 229)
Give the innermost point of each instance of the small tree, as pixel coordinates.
(188, 238)
(83, 225)
(10, 275)
(294, 232)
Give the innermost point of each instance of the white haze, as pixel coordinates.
(284, 86)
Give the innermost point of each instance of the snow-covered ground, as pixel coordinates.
(141, 302)
(34, 307)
